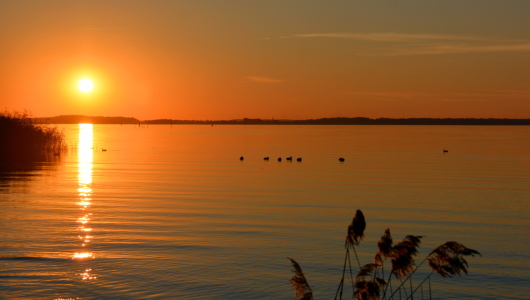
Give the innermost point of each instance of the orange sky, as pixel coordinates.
(195, 59)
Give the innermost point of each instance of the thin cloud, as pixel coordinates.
(385, 37)
(387, 96)
(262, 79)
(402, 44)
(484, 95)
(455, 49)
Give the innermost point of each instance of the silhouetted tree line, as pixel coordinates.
(76, 119)
(351, 121)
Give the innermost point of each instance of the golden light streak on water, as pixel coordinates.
(83, 255)
(86, 275)
(84, 191)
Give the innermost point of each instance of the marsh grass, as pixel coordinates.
(299, 283)
(22, 141)
(446, 260)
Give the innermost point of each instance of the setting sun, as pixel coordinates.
(85, 85)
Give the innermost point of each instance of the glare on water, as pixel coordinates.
(85, 160)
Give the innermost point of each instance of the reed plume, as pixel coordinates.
(448, 259)
(402, 256)
(299, 283)
(356, 230)
(354, 236)
(384, 246)
(368, 289)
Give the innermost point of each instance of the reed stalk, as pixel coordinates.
(447, 260)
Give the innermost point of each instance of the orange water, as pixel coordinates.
(172, 212)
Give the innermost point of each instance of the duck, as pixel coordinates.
(290, 158)
(299, 159)
(446, 151)
(103, 149)
(266, 158)
(341, 159)
(279, 159)
(241, 158)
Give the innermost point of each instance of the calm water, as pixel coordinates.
(172, 213)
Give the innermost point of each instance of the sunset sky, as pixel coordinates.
(285, 59)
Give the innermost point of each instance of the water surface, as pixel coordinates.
(170, 212)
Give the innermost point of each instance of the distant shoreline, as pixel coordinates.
(76, 119)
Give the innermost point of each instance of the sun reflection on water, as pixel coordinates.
(84, 190)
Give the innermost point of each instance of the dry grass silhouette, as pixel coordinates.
(354, 236)
(23, 141)
(384, 246)
(402, 256)
(356, 230)
(299, 283)
(446, 260)
(367, 285)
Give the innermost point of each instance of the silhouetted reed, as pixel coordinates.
(23, 141)
(354, 236)
(446, 260)
(299, 283)
(367, 285)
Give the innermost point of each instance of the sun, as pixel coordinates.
(85, 85)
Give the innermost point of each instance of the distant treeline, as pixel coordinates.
(352, 121)
(75, 119)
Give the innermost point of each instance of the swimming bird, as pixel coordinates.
(290, 158)
(446, 151)
(241, 158)
(103, 149)
(299, 159)
(279, 159)
(341, 159)
(266, 158)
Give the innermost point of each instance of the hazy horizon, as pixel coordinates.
(250, 118)
(206, 60)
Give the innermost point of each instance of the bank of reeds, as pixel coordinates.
(370, 283)
(22, 141)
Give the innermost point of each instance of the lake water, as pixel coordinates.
(170, 212)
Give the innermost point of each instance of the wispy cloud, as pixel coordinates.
(385, 96)
(454, 49)
(262, 79)
(401, 44)
(385, 37)
(484, 95)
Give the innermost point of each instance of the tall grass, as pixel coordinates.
(446, 260)
(22, 141)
